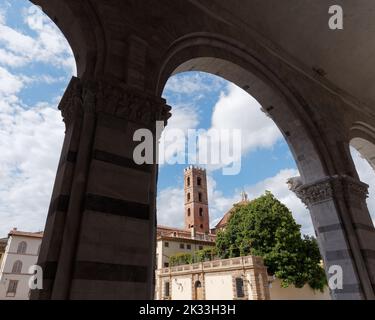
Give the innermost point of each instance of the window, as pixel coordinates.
(201, 226)
(188, 197)
(182, 246)
(12, 288)
(188, 246)
(200, 247)
(166, 289)
(189, 212)
(200, 197)
(201, 212)
(22, 247)
(240, 288)
(166, 244)
(188, 181)
(199, 181)
(17, 267)
(166, 265)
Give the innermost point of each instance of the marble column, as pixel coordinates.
(344, 230)
(99, 240)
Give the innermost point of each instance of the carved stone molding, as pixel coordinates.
(118, 100)
(327, 189)
(71, 105)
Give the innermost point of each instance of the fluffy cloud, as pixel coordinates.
(238, 110)
(193, 83)
(48, 46)
(170, 207)
(30, 135)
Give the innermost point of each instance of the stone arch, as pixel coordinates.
(223, 57)
(331, 195)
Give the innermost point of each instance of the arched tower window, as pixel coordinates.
(22, 246)
(200, 197)
(189, 212)
(199, 181)
(188, 181)
(201, 212)
(188, 197)
(17, 267)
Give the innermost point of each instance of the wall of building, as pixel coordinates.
(182, 288)
(219, 287)
(217, 279)
(10, 257)
(163, 253)
(292, 293)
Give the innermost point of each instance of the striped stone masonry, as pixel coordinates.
(345, 231)
(100, 234)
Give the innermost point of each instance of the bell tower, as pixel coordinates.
(196, 200)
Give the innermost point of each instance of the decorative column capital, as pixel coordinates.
(118, 100)
(338, 186)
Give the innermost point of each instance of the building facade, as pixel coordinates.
(243, 278)
(21, 252)
(171, 241)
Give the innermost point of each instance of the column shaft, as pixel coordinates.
(345, 232)
(106, 247)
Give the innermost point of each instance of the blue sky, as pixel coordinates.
(36, 65)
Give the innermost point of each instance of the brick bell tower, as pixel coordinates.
(196, 200)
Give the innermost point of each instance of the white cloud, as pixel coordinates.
(193, 83)
(184, 117)
(30, 136)
(170, 207)
(47, 46)
(30, 145)
(238, 110)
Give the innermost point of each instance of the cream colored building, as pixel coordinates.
(171, 241)
(243, 278)
(21, 252)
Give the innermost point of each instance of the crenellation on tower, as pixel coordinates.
(196, 200)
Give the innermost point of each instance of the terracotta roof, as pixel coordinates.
(15, 232)
(224, 221)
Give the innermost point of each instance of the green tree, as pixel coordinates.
(180, 259)
(265, 227)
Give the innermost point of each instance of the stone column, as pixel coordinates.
(100, 235)
(345, 231)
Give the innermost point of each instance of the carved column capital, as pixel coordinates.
(71, 103)
(338, 186)
(117, 100)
